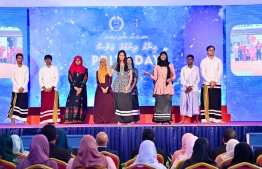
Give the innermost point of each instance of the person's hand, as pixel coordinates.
(21, 89)
(103, 90)
(146, 73)
(79, 90)
(190, 88)
(127, 88)
(49, 90)
(169, 80)
(212, 84)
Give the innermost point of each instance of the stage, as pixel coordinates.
(124, 138)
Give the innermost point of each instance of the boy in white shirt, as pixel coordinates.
(48, 80)
(19, 103)
(189, 78)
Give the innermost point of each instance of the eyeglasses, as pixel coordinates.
(212, 50)
(78, 60)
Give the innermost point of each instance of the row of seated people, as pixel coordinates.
(193, 150)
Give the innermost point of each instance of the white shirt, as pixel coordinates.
(48, 77)
(211, 70)
(189, 77)
(19, 78)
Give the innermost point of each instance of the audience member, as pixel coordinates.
(183, 148)
(148, 155)
(89, 156)
(102, 141)
(62, 141)
(18, 145)
(230, 147)
(201, 153)
(228, 134)
(55, 152)
(190, 142)
(7, 146)
(242, 153)
(39, 154)
(148, 134)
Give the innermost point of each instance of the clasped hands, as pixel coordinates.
(78, 90)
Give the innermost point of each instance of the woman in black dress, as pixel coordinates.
(76, 105)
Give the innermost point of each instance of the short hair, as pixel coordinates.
(229, 134)
(49, 131)
(19, 54)
(48, 57)
(148, 134)
(210, 46)
(190, 56)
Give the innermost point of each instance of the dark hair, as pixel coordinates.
(242, 153)
(19, 54)
(118, 61)
(48, 57)
(148, 134)
(49, 131)
(132, 62)
(210, 46)
(190, 56)
(229, 134)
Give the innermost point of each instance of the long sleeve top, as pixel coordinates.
(189, 77)
(48, 77)
(211, 70)
(20, 78)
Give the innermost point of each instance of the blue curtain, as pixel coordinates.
(124, 139)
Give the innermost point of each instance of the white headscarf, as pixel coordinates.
(148, 155)
(230, 147)
(18, 145)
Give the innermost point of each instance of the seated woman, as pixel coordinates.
(18, 145)
(201, 153)
(7, 146)
(39, 154)
(147, 154)
(183, 148)
(190, 142)
(242, 153)
(62, 140)
(230, 147)
(89, 156)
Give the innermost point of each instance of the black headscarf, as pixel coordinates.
(242, 153)
(164, 63)
(201, 153)
(7, 146)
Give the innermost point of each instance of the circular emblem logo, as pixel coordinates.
(116, 23)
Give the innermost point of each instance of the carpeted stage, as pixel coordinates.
(124, 138)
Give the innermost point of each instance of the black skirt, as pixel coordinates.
(135, 108)
(19, 106)
(163, 108)
(123, 107)
(213, 103)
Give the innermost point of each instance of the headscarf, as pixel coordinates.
(148, 155)
(201, 152)
(7, 145)
(183, 148)
(230, 148)
(62, 139)
(88, 154)
(39, 150)
(165, 63)
(77, 68)
(242, 153)
(18, 145)
(102, 72)
(190, 142)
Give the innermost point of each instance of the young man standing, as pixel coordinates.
(211, 71)
(19, 103)
(189, 78)
(48, 80)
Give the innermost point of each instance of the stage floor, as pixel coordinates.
(242, 123)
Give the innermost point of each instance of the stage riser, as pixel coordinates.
(124, 139)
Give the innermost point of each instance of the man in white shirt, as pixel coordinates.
(48, 80)
(211, 71)
(189, 78)
(19, 103)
